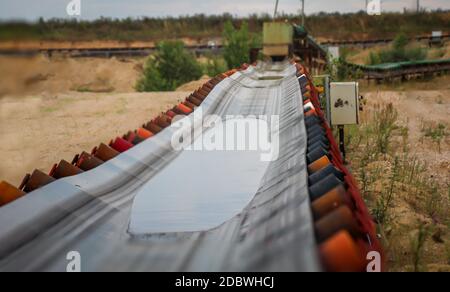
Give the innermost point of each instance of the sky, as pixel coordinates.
(92, 9)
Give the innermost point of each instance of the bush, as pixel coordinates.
(237, 45)
(399, 52)
(215, 66)
(400, 42)
(171, 66)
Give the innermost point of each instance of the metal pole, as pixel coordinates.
(418, 6)
(276, 10)
(342, 141)
(303, 13)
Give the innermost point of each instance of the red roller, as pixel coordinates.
(171, 113)
(130, 136)
(121, 145)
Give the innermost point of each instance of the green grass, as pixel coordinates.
(435, 132)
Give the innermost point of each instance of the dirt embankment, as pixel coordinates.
(46, 76)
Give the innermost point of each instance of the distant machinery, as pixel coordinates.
(278, 40)
(282, 40)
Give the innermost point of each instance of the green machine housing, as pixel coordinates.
(277, 39)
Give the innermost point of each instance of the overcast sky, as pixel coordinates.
(92, 9)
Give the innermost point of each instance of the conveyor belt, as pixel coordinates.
(90, 212)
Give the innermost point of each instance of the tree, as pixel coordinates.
(237, 44)
(171, 66)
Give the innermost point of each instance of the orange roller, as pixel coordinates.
(144, 134)
(105, 153)
(9, 193)
(340, 219)
(340, 253)
(319, 164)
(186, 110)
(330, 201)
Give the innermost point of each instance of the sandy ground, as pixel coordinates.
(194, 85)
(54, 108)
(37, 131)
(45, 76)
(420, 105)
(419, 109)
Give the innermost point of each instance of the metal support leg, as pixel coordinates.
(342, 141)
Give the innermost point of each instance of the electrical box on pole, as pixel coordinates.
(344, 108)
(344, 103)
